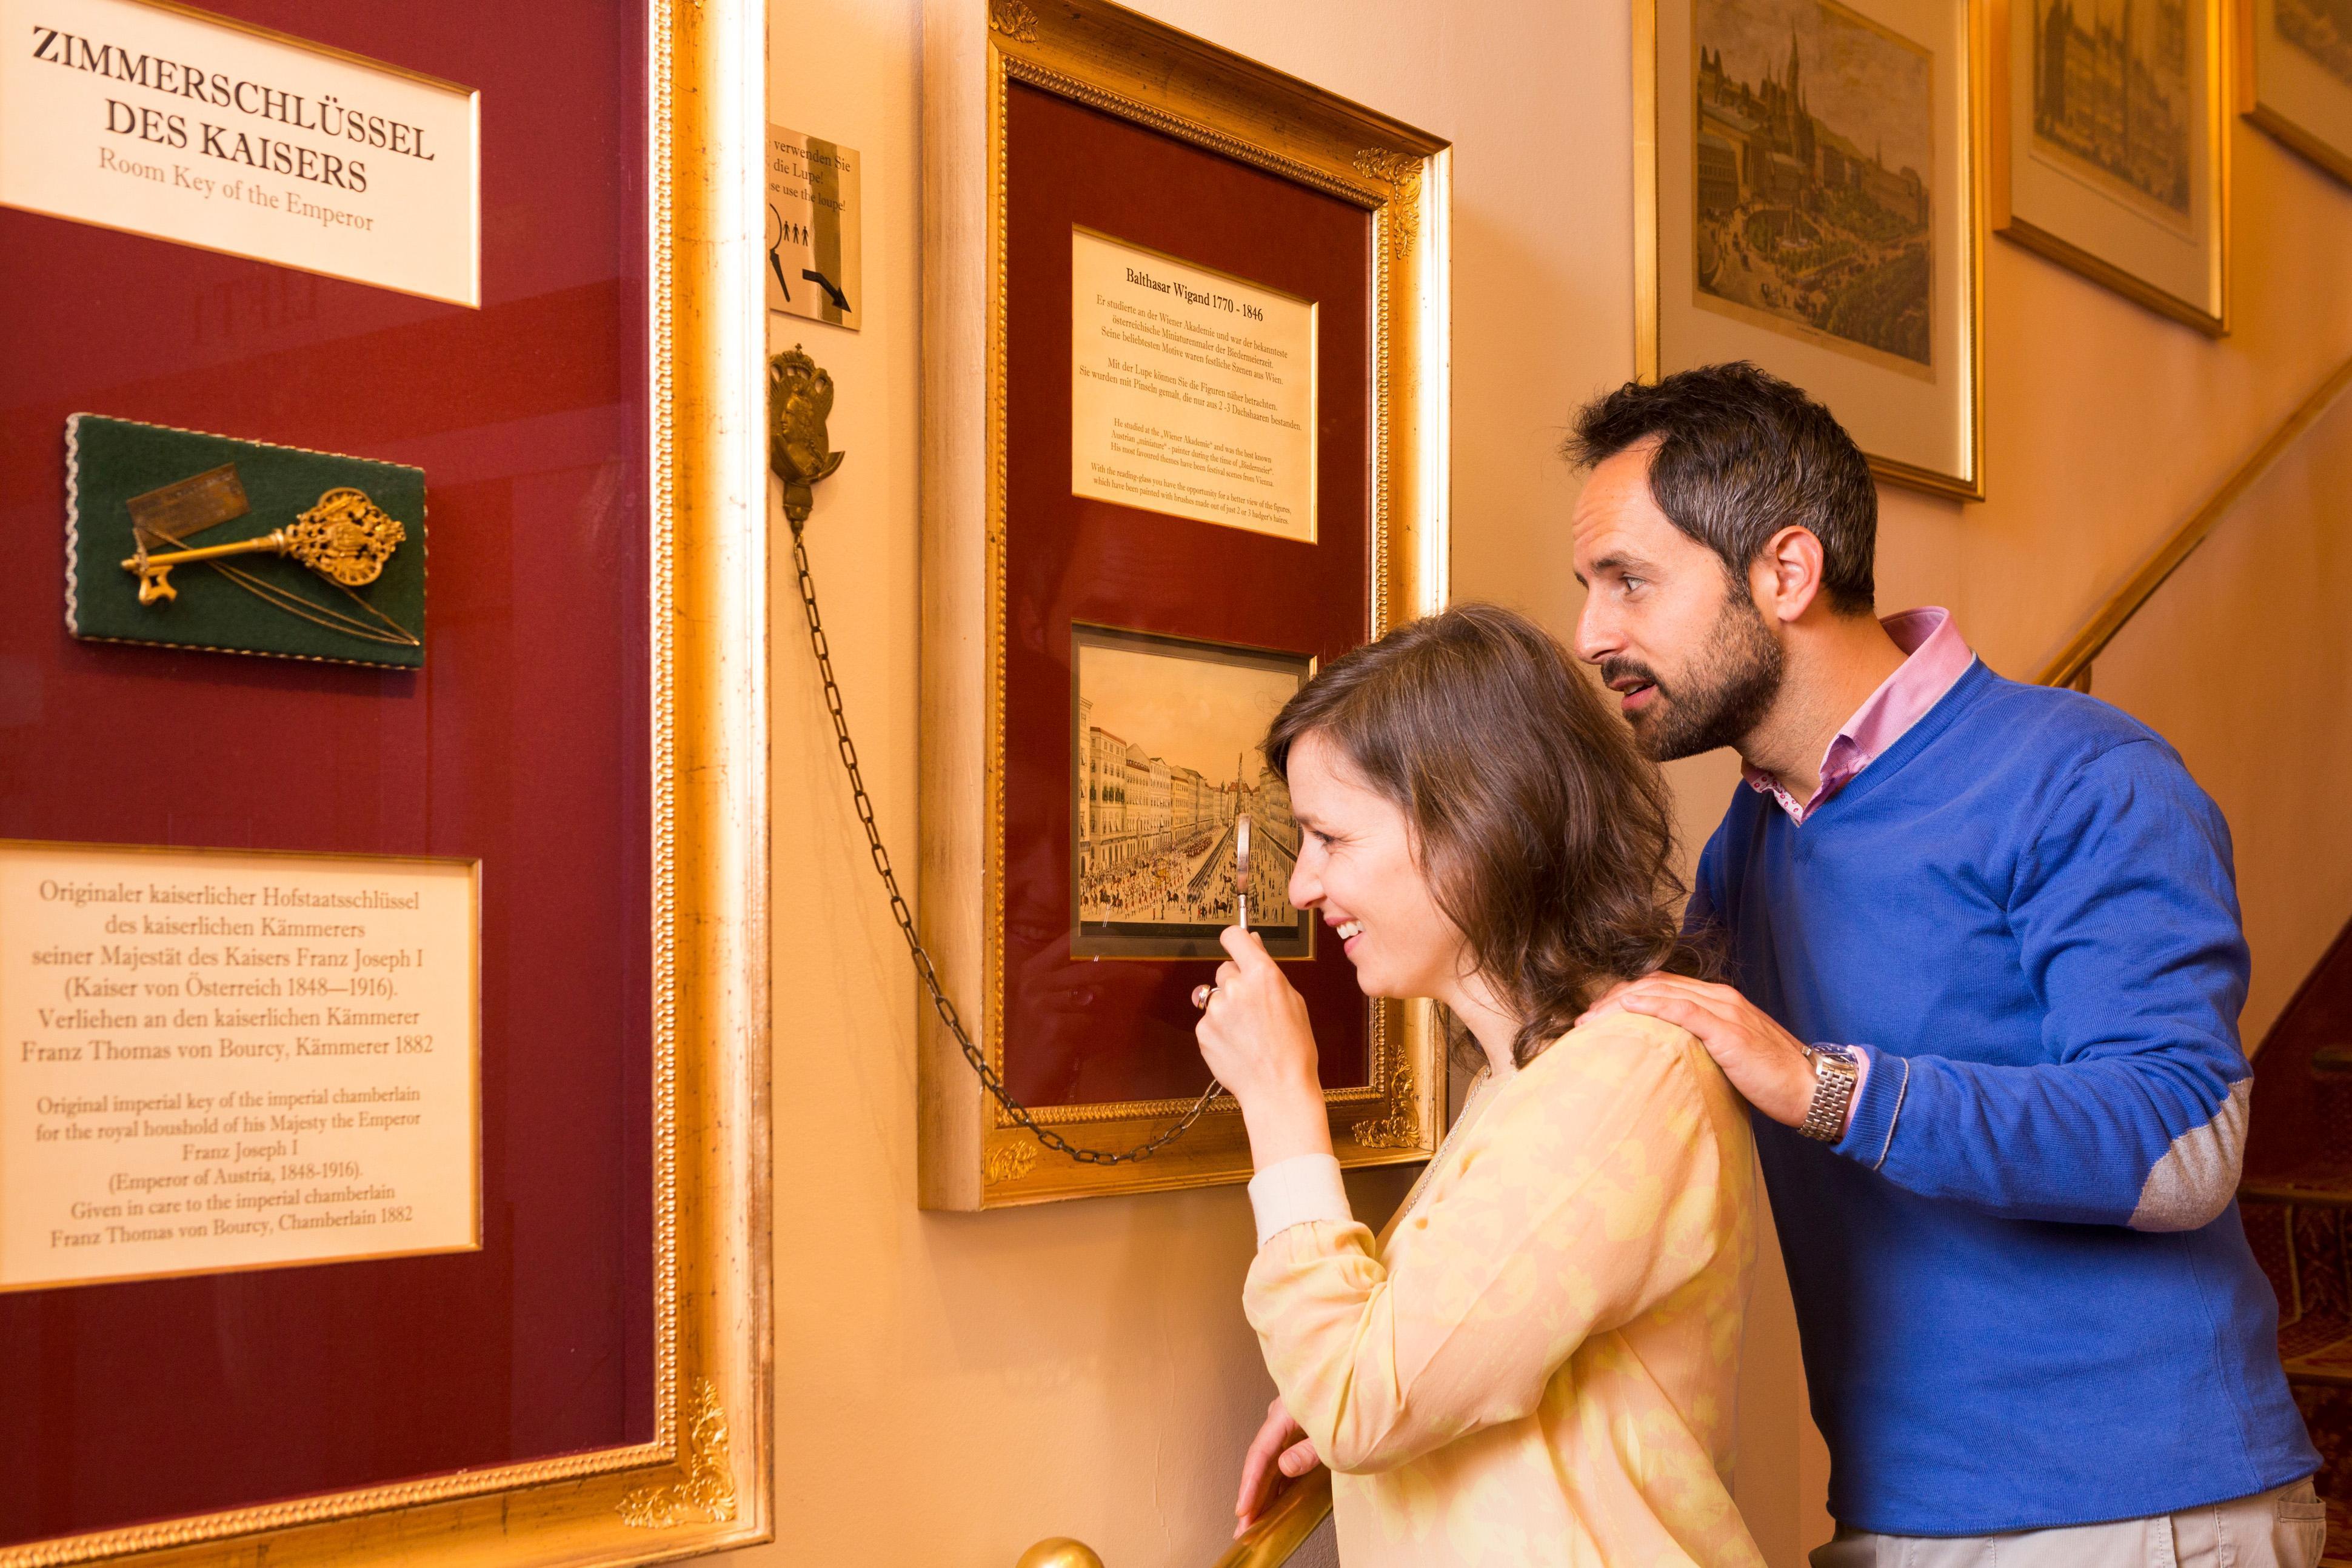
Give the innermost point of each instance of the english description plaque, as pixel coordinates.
(221, 1060)
(1192, 392)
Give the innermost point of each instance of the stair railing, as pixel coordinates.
(2072, 667)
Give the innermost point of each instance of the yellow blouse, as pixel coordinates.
(1536, 1364)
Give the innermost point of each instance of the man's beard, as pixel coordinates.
(1729, 687)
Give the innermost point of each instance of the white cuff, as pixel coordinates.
(1294, 1191)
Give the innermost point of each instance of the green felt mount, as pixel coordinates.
(108, 461)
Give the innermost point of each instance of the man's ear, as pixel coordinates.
(1785, 577)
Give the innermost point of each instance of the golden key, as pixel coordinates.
(346, 539)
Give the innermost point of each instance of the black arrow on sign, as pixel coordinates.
(840, 300)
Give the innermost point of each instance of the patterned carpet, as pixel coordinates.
(2299, 1231)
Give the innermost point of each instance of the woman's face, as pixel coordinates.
(1357, 871)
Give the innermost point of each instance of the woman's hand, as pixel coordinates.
(1255, 1038)
(1280, 1454)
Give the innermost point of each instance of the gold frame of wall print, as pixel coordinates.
(2138, 202)
(2295, 77)
(1128, 67)
(1810, 195)
(704, 1479)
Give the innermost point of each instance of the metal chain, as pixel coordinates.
(899, 911)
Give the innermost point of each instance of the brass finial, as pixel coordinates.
(1061, 1552)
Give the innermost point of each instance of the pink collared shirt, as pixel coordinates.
(1938, 658)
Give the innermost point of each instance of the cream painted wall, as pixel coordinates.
(952, 1389)
(2242, 662)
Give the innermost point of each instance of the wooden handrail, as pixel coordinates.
(2072, 667)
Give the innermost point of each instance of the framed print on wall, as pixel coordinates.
(2110, 152)
(1809, 195)
(1185, 440)
(382, 1151)
(2294, 76)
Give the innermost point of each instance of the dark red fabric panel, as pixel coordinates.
(524, 742)
(1093, 1030)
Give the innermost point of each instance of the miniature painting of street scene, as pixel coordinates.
(1165, 767)
(1815, 146)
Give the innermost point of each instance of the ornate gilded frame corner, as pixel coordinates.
(2220, 45)
(1975, 235)
(1120, 63)
(704, 1482)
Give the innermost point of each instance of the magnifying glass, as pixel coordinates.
(1200, 993)
(1241, 872)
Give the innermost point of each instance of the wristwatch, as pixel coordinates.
(1835, 1072)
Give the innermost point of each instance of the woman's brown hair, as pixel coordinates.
(1547, 838)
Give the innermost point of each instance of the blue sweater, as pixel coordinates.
(2024, 1293)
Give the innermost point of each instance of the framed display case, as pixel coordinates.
(1809, 194)
(1185, 402)
(382, 660)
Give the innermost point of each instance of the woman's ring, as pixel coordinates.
(1200, 995)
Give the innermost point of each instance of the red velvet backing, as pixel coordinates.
(1091, 1030)
(522, 742)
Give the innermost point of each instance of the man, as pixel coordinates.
(1988, 965)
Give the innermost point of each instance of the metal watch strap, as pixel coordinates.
(1835, 1074)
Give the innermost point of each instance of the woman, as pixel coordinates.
(1535, 1363)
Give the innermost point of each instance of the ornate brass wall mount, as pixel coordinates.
(800, 399)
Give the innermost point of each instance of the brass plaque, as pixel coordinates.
(221, 1059)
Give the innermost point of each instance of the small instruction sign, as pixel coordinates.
(814, 250)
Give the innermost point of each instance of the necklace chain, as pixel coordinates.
(989, 1079)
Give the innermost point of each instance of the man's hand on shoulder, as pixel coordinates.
(1764, 1061)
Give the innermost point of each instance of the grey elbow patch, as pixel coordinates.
(2197, 1176)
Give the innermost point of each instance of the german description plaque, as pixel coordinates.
(1191, 392)
(218, 1060)
(163, 120)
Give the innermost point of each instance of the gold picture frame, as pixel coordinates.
(2158, 232)
(2294, 72)
(1911, 389)
(1123, 65)
(704, 1481)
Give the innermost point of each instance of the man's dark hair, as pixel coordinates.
(1742, 455)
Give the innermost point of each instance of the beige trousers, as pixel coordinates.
(2282, 1529)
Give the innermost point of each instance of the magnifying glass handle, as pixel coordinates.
(1241, 872)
